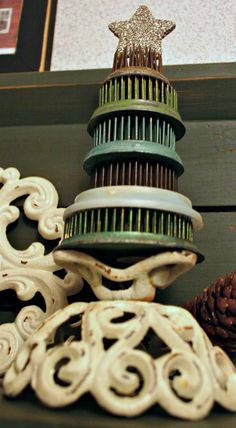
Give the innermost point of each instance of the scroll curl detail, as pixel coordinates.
(107, 354)
(30, 271)
(147, 275)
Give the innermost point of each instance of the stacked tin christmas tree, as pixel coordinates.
(134, 208)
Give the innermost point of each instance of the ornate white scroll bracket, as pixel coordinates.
(30, 271)
(146, 276)
(129, 356)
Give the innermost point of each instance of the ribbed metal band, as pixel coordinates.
(131, 85)
(134, 173)
(138, 127)
(126, 244)
(116, 220)
(136, 150)
(144, 107)
(135, 197)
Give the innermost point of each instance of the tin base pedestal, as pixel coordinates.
(137, 280)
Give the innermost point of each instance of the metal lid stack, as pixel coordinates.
(134, 208)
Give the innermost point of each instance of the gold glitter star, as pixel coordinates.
(142, 30)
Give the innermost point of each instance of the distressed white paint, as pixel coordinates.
(30, 271)
(205, 31)
(155, 272)
(185, 380)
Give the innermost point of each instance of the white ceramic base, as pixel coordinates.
(112, 360)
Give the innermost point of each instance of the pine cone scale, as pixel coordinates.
(215, 310)
(222, 304)
(232, 306)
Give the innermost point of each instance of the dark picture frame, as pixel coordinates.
(10, 18)
(35, 38)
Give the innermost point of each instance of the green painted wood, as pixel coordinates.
(206, 98)
(26, 412)
(7, 316)
(208, 152)
(193, 71)
(217, 241)
(52, 152)
(173, 72)
(206, 92)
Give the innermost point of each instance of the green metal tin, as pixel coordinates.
(118, 150)
(134, 129)
(147, 128)
(136, 86)
(117, 245)
(145, 107)
(141, 220)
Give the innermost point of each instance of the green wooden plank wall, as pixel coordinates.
(43, 132)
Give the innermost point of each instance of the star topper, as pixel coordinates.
(142, 30)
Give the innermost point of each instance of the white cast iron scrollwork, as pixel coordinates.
(157, 271)
(106, 352)
(29, 271)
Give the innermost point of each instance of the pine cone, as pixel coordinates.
(215, 310)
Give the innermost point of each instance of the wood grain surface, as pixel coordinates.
(71, 97)
(26, 412)
(56, 152)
